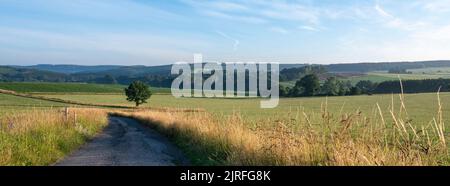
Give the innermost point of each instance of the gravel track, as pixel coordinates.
(125, 142)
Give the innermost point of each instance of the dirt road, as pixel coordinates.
(125, 142)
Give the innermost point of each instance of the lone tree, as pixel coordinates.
(138, 92)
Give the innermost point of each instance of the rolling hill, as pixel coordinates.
(70, 69)
(159, 76)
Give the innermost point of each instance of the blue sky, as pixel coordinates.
(152, 32)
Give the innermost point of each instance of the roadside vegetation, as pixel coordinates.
(43, 136)
(332, 139)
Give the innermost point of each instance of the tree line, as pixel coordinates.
(289, 74)
(413, 86)
(310, 85)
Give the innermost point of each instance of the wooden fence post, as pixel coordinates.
(66, 114)
(74, 118)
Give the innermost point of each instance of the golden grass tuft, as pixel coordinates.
(329, 140)
(41, 137)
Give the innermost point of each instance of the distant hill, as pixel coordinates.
(131, 71)
(27, 75)
(165, 69)
(70, 69)
(117, 70)
(159, 76)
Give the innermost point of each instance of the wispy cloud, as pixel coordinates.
(414, 37)
(95, 9)
(135, 31)
(308, 28)
(294, 12)
(244, 19)
(382, 12)
(236, 42)
(260, 10)
(228, 6)
(120, 48)
(396, 22)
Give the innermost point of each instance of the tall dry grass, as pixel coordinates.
(41, 137)
(331, 139)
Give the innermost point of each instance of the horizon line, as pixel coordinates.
(281, 63)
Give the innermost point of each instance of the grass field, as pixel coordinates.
(374, 77)
(35, 132)
(413, 76)
(436, 70)
(421, 107)
(331, 139)
(316, 131)
(70, 88)
(416, 74)
(42, 137)
(9, 102)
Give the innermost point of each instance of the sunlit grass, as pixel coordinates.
(43, 136)
(356, 130)
(422, 107)
(347, 138)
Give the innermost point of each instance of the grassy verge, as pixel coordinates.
(25, 87)
(71, 102)
(347, 139)
(70, 88)
(41, 137)
(57, 100)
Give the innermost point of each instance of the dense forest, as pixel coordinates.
(310, 85)
(12, 74)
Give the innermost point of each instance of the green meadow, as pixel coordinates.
(416, 74)
(10, 103)
(69, 88)
(420, 107)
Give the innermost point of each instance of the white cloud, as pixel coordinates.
(424, 44)
(390, 30)
(224, 10)
(392, 21)
(382, 12)
(309, 28)
(257, 10)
